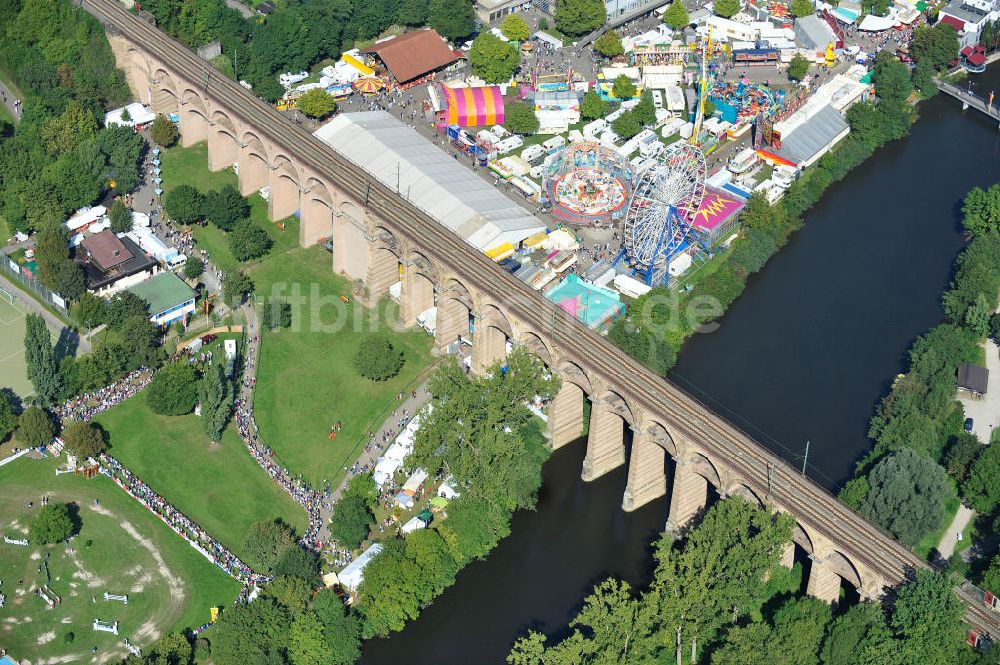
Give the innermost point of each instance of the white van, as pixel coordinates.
(658, 99)
(533, 153)
(554, 143)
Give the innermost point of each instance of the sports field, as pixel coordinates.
(219, 486)
(12, 369)
(306, 380)
(121, 549)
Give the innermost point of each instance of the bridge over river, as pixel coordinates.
(379, 236)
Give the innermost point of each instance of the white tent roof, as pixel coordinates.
(85, 216)
(140, 116)
(352, 576)
(876, 23)
(447, 190)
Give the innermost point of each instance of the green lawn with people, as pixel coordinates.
(219, 486)
(121, 548)
(189, 166)
(306, 381)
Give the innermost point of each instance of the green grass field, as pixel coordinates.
(169, 585)
(13, 373)
(221, 487)
(189, 166)
(306, 381)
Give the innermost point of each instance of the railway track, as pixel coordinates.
(731, 448)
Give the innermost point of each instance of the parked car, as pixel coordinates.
(209, 338)
(968, 424)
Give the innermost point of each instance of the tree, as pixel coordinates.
(8, 417)
(981, 210)
(854, 493)
(172, 649)
(479, 431)
(609, 44)
(908, 495)
(363, 486)
(65, 133)
(290, 592)
(847, 634)
(802, 8)
(224, 207)
(623, 88)
(579, 17)
(184, 204)
(514, 28)
(235, 287)
(927, 621)
(306, 643)
(56, 269)
(492, 58)
(387, 596)
(174, 390)
(961, 452)
(799, 66)
(991, 578)
(376, 359)
(413, 13)
(792, 639)
(40, 360)
(351, 521)
(316, 103)
(593, 106)
(891, 77)
(982, 488)
(52, 524)
(120, 216)
(193, 267)
(163, 132)
(645, 110)
(626, 125)
(123, 307)
(255, 633)
(520, 118)
(216, 397)
(83, 440)
(934, 46)
(726, 8)
(34, 427)
(248, 241)
(676, 15)
(297, 562)
(266, 542)
(735, 545)
(451, 18)
(341, 628)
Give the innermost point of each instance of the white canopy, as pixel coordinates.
(140, 115)
(873, 23)
(352, 576)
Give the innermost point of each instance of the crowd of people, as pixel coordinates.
(181, 524)
(88, 405)
(305, 496)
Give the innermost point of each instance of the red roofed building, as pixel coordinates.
(956, 23)
(414, 56)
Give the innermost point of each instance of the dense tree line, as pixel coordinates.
(57, 159)
(922, 457)
(658, 322)
(720, 596)
(301, 32)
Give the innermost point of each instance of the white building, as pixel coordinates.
(353, 575)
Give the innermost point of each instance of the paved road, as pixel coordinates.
(985, 412)
(950, 538)
(28, 302)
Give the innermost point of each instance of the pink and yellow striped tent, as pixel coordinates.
(472, 107)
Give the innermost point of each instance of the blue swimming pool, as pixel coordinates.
(845, 15)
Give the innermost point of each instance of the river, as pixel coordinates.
(803, 355)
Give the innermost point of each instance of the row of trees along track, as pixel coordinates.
(854, 536)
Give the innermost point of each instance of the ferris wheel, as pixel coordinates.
(661, 210)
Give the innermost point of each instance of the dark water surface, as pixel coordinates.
(804, 354)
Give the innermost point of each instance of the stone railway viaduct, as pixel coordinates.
(378, 236)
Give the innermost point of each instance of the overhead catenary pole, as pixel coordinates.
(805, 459)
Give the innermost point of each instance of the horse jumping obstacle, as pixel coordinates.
(48, 595)
(106, 626)
(113, 596)
(134, 650)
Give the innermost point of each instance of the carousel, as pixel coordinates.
(369, 86)
(588, 183)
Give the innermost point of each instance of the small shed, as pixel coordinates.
(973, 380)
